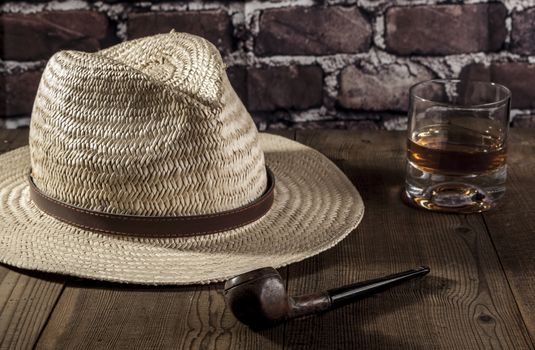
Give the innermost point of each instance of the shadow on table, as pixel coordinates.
(346, 327)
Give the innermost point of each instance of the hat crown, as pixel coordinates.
(147, 127)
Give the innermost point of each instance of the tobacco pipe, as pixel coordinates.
(258, 298)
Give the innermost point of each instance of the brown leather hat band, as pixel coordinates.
(155, 226)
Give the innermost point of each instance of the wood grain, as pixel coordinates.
(116, 316)
(104, 315)
(464, 303)
(25, 305)
(26, 301)
(512, 227)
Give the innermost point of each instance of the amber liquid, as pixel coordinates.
(451, 150)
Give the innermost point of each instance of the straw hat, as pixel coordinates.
(150, 133)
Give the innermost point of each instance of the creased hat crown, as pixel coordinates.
(147, 127)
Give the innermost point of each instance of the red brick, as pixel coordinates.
(338, 124)
(313, 31)
(214, 26)
(524, 121)
(237, 76)
(292, 87)
(523, 33)
(325, 124)
(17, 93)
(30, 37)
(382, 90)
(518, 77)
(445, 29)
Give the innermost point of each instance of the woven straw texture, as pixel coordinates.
(147, 127)
(153, 127)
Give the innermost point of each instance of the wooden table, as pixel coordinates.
(480, 293)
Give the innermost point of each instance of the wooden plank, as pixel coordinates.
(121, 317)
(464, 303)
(512, 227)
(25, 305)
(26, 301)
(103, 315)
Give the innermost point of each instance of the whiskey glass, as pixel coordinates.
(456, 145)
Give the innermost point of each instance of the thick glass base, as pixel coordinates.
(468, 193)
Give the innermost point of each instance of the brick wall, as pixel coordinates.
(295, 63)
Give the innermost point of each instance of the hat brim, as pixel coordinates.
(315, 207)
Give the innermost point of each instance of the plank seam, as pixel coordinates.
(41, 331)
(531, 340)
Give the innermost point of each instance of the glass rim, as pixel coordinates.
(446, 104)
